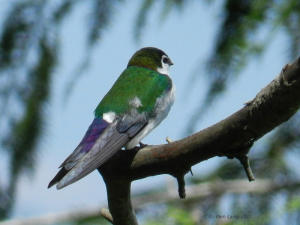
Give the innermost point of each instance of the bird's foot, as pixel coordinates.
(142, 145)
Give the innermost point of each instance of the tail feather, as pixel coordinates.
(58, 177)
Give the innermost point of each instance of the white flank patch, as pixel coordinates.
(109, 117)
(163, 105)
(136, 140)
(162, 108)
(135, 102)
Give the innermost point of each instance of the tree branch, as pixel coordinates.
(119, 202)
(231, 137)
(106, 214)
(244, 160)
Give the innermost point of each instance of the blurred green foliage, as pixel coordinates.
(29, 46)
(91, 221)
(173, 216)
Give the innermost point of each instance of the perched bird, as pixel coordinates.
(138, 101)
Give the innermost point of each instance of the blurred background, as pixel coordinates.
(58, 58)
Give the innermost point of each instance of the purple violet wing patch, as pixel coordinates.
(95, 129)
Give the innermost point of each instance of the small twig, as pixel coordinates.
(244, 160)
(106, 214)
(169, 140)
(243, 157)
(181, 185)
(180, 178)
(191, 171)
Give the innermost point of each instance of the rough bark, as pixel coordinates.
(231, 137)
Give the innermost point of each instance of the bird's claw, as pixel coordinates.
(142, 145)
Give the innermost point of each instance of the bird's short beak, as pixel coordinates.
(171, 63)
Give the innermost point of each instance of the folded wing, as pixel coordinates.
(101, 142)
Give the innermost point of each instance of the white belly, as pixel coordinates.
(162, 108)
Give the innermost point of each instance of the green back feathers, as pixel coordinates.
(146, 84)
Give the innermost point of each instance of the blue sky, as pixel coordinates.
(188, 39)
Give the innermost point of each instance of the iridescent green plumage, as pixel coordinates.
(146, 84)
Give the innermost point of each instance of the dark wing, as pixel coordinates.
(97, 146)
(94, 131)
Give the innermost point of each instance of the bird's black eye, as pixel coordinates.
(165, 60)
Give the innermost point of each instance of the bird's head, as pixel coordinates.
(151, 58)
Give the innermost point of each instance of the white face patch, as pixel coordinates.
(135, 102)
(109, 117)
(165, 67)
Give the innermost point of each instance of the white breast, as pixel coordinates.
(162, 108)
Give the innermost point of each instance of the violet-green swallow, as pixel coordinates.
(138, 101)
